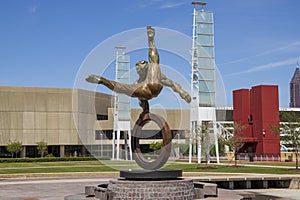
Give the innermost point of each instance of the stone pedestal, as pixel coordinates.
(162, 189)
(145, 184)
(142, 185)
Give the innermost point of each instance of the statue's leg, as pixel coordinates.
(128, 89)
(137, 90)
(153, 79)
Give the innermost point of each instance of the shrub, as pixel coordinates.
(52, 159)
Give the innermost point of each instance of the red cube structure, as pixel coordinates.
(258, 109)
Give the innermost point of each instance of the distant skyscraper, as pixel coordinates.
(295, 89)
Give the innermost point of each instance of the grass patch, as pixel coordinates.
(54, 167)
(229, 169)
(58, 170)
(105, 166)
(270, 163)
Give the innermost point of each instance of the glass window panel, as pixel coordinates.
(123, 75)
(203, 16)
(205, 51)
(123, 66)
(124, 58)
(205, 40)
(123, 98)
(206, 86)
(207, 74)
(124, 115)
(207, 99)
(206, 63)
(205, 28)
(122, 106)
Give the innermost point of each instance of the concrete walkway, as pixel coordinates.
(56, 186)
(255, 165)
(45, 188)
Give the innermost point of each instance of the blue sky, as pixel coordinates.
(43, 43)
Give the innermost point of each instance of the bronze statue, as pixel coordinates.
(150, 81)
(148, 86)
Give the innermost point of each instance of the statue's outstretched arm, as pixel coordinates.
(176, 88)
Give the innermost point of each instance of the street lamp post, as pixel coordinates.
(101, 144)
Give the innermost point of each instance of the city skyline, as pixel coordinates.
(45, 42)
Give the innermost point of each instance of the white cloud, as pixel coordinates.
(267, 66)
(294, 44)
(172, 4)
(161, 4)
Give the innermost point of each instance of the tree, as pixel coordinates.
(155, 146)
(290, 129)
(202, 138)
(236, 141)
(205, 139)
(14, 147)
(42, 147)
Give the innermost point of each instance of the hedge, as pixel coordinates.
(52, 159)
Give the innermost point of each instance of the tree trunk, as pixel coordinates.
(297, 164)
(235, 159)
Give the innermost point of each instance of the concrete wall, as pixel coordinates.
(177, 119)
(62, 116)
(31, 115)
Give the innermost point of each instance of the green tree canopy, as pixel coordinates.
(42, 147)
(14, 147)
(290, 131)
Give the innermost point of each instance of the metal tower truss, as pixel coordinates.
(203, 84)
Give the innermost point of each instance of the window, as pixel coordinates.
(102, 117)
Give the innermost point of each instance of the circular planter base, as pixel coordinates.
(156, 189)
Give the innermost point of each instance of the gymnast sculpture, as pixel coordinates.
(150, 82)
(148, 86)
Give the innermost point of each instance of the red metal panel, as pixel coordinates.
(265, 111)
(260, 104)
(241, 110)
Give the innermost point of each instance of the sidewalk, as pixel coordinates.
(59, 185)
(103, 175)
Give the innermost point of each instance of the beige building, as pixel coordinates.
(71, 121)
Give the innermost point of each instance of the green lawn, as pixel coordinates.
(53, 167)
(231, 169)
(96, 166)
(288, 164)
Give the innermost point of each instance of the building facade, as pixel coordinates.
(71, 121)
(295, 89)
(79, 122)
(257, 110)
(31, 115)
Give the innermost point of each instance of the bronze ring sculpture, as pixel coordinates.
(146, 117)
(148, 86)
